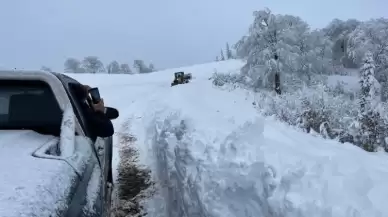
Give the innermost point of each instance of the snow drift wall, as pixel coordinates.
(197, 178)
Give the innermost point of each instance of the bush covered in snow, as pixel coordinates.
(222, 79)
(309, 108)
(320, 109)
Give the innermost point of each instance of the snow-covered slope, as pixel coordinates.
(212, 154)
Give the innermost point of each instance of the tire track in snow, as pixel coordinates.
(132, 180)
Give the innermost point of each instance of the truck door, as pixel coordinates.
(98, 143)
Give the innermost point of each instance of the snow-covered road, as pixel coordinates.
(211, 153)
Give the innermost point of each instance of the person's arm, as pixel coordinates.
(101, 125)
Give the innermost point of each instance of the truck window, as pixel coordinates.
(68, 82)
(29, 105)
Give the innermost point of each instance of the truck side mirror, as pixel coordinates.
(111, 113)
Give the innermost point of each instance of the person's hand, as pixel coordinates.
(100, 106)
(86, 87)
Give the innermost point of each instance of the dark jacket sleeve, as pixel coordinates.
(111, 113)
(100, 124)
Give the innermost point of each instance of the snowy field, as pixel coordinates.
(213, 155)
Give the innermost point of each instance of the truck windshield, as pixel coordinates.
(29, 105)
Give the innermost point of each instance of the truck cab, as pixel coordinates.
(59, 169)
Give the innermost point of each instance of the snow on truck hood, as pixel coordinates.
(30, 186)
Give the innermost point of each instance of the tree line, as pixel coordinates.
(93, 65)
(285, 45)
(225, 54)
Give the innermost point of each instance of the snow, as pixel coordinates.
(93, 190)
(350, 83)
(31, 186)
(212, 154)
(67, 137)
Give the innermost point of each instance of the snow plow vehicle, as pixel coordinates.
(181, 78)
(50, 164)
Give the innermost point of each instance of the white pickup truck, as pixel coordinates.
(50, 165)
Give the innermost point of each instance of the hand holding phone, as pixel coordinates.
(95, 95)
(100, 107)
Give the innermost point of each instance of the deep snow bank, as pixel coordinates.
(199, 179)
(260, 169)
(213, 155)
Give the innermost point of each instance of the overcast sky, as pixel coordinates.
(168, 33)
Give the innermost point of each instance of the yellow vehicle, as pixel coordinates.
(181, 78)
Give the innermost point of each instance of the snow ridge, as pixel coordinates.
(239, 184)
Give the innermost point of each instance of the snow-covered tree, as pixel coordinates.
(384, 91)
(369, 118)
(93, 64)
(243, 46)
(45, 68)
(338, 29)
(151, 67)
(124, 68)
(338, 32)
(269, 47)
(217, 59)
(321, 46)
(73, 65)
(113, 67)
(305, 52)
(298, 42)
(372, 131)
(283, 46)
(222, 57)
(371, 36)
(141, 67)
(368, 83)
(228, 52)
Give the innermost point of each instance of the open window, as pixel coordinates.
(29, 104)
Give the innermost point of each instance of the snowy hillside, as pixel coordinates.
(212, 154)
